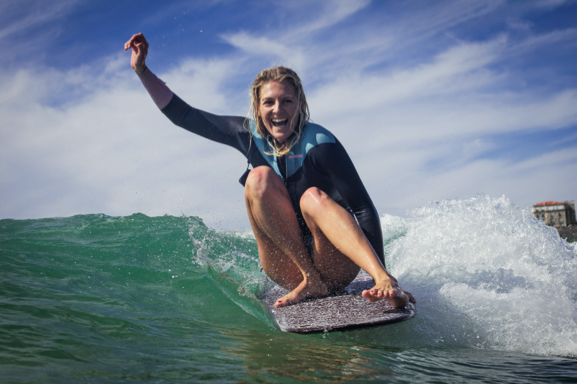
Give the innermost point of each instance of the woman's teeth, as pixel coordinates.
(279, 123)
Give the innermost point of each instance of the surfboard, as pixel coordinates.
(347, 310)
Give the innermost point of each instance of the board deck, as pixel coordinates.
(345, 311)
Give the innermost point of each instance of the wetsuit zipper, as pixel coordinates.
(282, 167)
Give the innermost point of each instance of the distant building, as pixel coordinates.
(554, 213)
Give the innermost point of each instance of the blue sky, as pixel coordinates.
(432, 99)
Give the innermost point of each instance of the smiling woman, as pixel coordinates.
(313, 220)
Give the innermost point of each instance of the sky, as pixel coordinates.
(433, 100)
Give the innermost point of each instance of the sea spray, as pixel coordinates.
(231, 261)
(486, 274)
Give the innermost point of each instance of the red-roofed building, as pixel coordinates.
(555, 213)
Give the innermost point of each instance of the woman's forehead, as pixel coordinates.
(274, 87)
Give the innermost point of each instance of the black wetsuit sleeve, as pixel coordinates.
(227, 130)
(335, 162)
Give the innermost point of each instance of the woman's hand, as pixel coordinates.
(139, 47)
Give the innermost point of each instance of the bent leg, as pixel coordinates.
(282, 252)
(340, 248)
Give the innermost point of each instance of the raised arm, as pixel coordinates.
(157, 89)
(227, 130)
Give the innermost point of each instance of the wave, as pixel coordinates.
(485, 273)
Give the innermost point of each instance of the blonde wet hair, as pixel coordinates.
(279, 74)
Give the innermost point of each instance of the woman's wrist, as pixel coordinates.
(140, 72)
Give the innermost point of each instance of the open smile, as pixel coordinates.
(279, 122)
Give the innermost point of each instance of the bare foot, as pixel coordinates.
(307, 289)
(388, 289)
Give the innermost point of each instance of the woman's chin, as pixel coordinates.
(281, 137)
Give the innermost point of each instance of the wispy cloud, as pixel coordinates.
(27, 27)
(18, 16)
(331, 13)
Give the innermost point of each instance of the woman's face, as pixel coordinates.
(278, 109)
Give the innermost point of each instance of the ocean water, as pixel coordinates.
(94, 298)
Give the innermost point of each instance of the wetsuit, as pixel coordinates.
(317, 160)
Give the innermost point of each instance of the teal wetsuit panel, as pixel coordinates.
(312, 135)
(264, 148)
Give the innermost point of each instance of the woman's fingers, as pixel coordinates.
(139, 47)
(130, 43)
(136, 40)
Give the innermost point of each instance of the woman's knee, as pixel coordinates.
(260, 180)
(313, 198)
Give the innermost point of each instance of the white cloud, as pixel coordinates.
(405, 183)
(459, 69)
(262, 46)
(205, 85)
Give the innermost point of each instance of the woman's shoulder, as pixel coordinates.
(314, 134)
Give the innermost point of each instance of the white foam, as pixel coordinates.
(486, 274)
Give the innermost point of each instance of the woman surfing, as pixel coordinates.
(314, 222)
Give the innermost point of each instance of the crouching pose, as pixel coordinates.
(313, 220)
